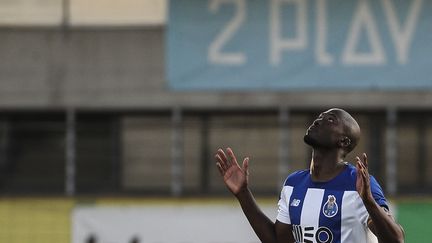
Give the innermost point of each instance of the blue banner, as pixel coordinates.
(299, 45)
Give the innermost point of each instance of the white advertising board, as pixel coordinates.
(164, 224)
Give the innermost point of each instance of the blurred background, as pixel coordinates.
(111, 111)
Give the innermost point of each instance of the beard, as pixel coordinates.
(317, 143)
(309, 140)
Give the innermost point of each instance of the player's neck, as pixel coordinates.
(325, 165)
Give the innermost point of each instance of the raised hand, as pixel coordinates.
(380, 221)
(363, 180)
(234, 176)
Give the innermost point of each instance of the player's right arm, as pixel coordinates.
(236, 179)
(264, 228)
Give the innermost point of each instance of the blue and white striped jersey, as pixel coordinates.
(326, 212)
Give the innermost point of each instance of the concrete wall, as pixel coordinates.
(124, 68)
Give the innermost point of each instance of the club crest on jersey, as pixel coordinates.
(330, 208)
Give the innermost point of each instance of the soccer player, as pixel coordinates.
(332, 201)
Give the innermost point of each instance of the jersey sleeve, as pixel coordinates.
(378, 196)
(377, 193)
(283, 205)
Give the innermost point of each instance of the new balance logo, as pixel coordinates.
(295, 202)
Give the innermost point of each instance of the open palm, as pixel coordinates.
(363, 181)
(234, 176)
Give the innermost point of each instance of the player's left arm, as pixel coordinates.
(380, 221)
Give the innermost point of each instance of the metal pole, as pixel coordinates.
(375, 142)
(177, 153)
(70, 152)
(391, 151)
(65, 14)
(205, 155)
(422, 154)
(4, 142)
(284, 153)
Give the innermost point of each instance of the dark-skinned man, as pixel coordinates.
(332, 201)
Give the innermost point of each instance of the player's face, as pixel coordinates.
(326, 130)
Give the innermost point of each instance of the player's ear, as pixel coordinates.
(344, 142)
